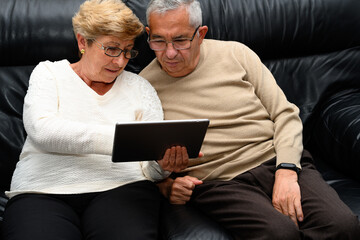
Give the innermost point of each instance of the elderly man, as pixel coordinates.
(254, 178)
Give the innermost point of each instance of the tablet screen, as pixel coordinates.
(147, 141)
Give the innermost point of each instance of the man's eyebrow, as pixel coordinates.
(180, 36)
(155, 36)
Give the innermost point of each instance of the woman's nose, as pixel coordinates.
(120, 60)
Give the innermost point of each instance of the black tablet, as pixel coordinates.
(146, 141)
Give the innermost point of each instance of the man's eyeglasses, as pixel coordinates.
(115, 51)
(178, 44)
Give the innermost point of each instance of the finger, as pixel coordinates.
(280, 204)
(181, 191)
(277, 206)
(292, 212)
(194, 180)
(164, 163)
(185, 184)
(185, 157)
(178, 159)
(298, 209)
(178, 201)
(201, 154)
(172, 158)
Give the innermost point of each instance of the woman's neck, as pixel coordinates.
(99, 87)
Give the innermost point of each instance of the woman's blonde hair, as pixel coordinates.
(106, 17)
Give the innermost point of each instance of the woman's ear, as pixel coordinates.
(81, 41)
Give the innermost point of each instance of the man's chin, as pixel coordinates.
(172, 73)
(171, 70)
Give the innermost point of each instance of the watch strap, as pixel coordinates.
(290, 166)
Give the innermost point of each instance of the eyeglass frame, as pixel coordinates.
(121, 50)
(167, 42)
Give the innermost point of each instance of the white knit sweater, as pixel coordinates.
(71, 129)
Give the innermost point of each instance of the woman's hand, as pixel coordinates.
(175, 159)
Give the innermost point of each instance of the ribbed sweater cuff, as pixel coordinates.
(289, 155)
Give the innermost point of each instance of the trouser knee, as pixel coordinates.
(281, 228)
(284, 231)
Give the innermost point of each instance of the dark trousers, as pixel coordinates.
(127, 212)
(243, 206)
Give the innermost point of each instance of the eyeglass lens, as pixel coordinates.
(178, 44)
(115, 52)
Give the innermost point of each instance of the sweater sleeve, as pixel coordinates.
(285, 115)
(150, 102)
(151, 111)
(153, 171)
(52, 133)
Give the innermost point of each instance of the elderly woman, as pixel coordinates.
(65, 185)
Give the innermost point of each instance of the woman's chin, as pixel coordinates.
(112, 74)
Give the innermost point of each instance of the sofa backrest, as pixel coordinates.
(13, 86)
(311, 46)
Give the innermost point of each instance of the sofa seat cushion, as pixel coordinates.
(175, 224)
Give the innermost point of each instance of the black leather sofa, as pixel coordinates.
(311, 47)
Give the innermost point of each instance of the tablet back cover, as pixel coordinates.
(146, 141)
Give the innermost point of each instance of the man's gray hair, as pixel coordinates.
(162, 6)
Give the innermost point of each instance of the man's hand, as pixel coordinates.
(286, 195)
(175, 159)
(178, 191)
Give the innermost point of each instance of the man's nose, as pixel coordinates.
(170, 51)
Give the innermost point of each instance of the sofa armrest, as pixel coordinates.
(336, 132)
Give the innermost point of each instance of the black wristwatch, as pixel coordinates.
(289, 166)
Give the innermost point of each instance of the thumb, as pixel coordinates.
(198, 182)
(194, 180)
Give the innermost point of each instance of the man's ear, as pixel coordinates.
(147, 29)
(202, 32)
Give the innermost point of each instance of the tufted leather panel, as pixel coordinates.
(285, 28)
(310, 80)
(33, 30)
(338, 130)
(13, 86)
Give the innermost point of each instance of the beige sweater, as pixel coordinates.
(251, 120)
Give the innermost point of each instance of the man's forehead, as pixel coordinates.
(173, 30)
(174, 33)
(170, 18)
